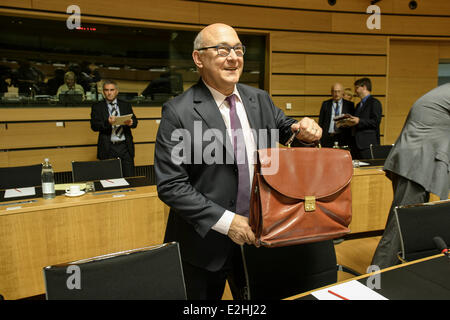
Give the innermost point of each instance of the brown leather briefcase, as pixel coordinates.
(301, 195)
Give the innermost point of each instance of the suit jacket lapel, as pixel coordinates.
(206, 107)
(251, 108)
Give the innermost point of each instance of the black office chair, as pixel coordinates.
(19, 177)
(276, 273)
(151, 273)
(418, 225)
(380, 151)
(83, 171)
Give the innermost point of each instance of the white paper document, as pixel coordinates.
(351, 290)
(20, 192)
(120, 120)
(109, 183)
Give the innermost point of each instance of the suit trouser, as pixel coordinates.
(202, 284)
(406, 192)
(120, 150)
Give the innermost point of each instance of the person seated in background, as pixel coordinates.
(89, 76)
(170, 83)
(28, 79)
(348, 94)
(54, 83)
(331, 108)
(70, 85)
(5, 79)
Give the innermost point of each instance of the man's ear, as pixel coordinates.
(196, 57)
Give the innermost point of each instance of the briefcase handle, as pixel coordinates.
(291, 139)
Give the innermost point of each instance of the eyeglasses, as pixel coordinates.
(223, 50)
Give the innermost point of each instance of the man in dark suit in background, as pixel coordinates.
(209, 200)
(419, 163)
(114, 141)
(366, 121)
(331, 108)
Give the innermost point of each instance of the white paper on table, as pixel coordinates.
(352, 290)
(20, 192)
(109, 183)
(120, 120)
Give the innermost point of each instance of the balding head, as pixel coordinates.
(220, 72)
(209, 34)
(337, 91)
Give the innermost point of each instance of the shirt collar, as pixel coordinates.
(219, 98)
(112, 102)
(363, 100)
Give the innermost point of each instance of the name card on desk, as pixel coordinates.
(110, 183)
(20, 192)
(351, 290)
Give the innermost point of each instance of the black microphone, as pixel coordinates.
(441, 245)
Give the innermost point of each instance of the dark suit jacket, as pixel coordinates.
(198, 193)
(422, 151)
(345, 134)
(367, 131)
(99, 123)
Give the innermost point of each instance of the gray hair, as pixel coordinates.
(198, 41)
(109, 82)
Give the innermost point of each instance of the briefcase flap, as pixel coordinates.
(301, 172)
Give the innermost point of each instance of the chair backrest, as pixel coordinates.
(96, 170)
(380, 151)
(419, 224)
(18, 177)
(277, 273)
(151, 273)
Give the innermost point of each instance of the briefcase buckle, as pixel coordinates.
(310, 203)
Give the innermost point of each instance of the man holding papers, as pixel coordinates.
(114, 119)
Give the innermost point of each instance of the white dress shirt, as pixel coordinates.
(336, 105)
(223, 224)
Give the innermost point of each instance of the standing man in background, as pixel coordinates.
(419, 163)
(331, 108)
(114, 141)
(366, 121)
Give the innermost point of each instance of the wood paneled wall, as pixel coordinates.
(64, 135)
(311, 45)
(304, 66)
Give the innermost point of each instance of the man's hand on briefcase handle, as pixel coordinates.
(308, 130)
(240, 231)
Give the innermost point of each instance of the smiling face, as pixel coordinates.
(221, 73)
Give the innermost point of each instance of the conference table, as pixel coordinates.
(422, 279)
(35, 232)
(38, 232)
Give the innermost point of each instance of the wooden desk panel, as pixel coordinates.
(371, 199)
(66, 229)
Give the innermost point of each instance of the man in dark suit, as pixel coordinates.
(419, 163)
(331, 108)
(206, 187)
(114, 141)
(366, 121)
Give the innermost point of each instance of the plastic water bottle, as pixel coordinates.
(48, 180)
